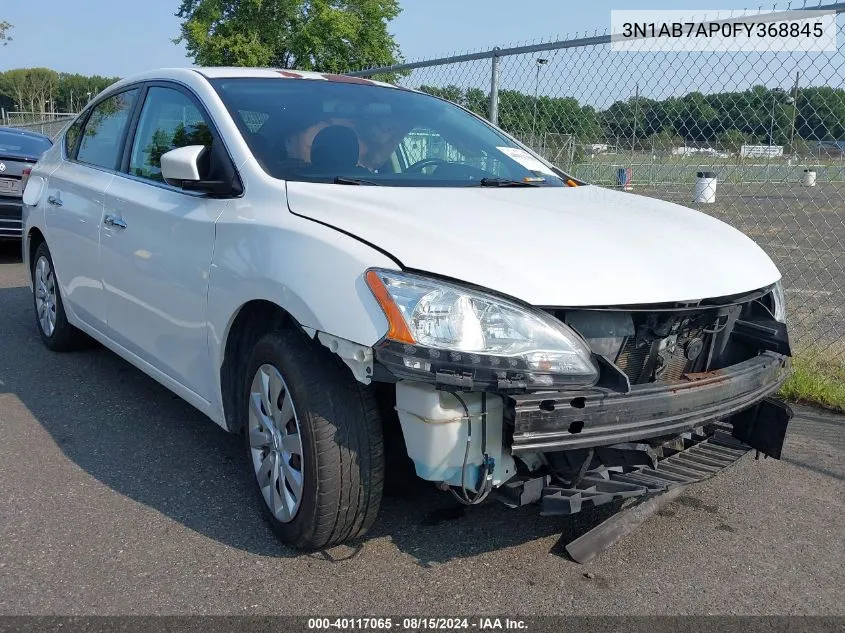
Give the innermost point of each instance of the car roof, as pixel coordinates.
(224, 72)
(22, 132)
(284, 73)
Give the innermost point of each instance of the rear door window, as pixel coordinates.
(101, 143)
(72, 137)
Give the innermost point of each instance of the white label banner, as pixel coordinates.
(649, 31)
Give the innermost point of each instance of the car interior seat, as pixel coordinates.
(335, 149)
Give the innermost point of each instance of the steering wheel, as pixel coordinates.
(425, 162)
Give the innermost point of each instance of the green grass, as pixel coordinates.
(816, 379)
(704, 160)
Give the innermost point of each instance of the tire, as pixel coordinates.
(50, 317)
(331, 490)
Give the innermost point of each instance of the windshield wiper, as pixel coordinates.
(504, 182)
(342, 180)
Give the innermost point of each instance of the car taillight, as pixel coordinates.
(25, 174)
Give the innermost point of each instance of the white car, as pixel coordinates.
(325, 264)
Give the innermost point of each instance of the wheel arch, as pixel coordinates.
(34, 238)
(249, 323)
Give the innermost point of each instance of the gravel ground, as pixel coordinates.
(118, 498)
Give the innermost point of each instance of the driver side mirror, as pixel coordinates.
(187, 166)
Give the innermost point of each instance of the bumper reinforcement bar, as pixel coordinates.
(558, 421)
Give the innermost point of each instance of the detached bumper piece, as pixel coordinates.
(560, 421)
(694, 458)
(701, 458)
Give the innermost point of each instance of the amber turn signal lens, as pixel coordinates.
(398, 328)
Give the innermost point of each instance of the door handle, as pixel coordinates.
(54, 201)
(114, 221)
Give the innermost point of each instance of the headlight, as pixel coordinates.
(779, 302)
(437, 326)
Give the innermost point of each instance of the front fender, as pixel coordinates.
(313, 272)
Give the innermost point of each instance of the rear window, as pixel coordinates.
(22, 144)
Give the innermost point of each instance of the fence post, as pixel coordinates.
(494, 88)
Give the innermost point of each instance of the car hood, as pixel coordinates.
(568, 246)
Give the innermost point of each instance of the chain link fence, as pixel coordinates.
(47, 123)
(770, 127)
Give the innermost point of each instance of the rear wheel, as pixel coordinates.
(313, 440)
(55, 330)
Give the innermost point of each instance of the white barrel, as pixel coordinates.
(705, 187)
(809, 178)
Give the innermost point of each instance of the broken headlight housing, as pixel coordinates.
(470, 339)
(778, 302)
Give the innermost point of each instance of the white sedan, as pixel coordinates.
(327, 264)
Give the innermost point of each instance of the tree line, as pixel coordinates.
(45, 90)
(726, 119)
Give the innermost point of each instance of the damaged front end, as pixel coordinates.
(664, 394)
(668, 369)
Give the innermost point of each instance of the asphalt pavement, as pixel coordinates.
(118, 498)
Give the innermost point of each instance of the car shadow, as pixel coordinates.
(145, 443)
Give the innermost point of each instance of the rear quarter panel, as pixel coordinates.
(34, 197)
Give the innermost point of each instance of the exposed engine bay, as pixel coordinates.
(669, 374)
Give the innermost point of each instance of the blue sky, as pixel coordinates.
(121, 37)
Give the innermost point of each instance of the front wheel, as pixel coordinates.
(313, 440)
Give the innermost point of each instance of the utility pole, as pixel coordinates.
(794, 113)
(776, 94)
(493, 114)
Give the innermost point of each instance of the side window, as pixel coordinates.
(72, 137)
(422, 144)
(253, 120)
(100, 143)
(169, 119)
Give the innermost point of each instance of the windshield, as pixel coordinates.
(23, 145)
(350, 133)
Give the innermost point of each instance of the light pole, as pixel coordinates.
(776, 92)
(541, 61)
